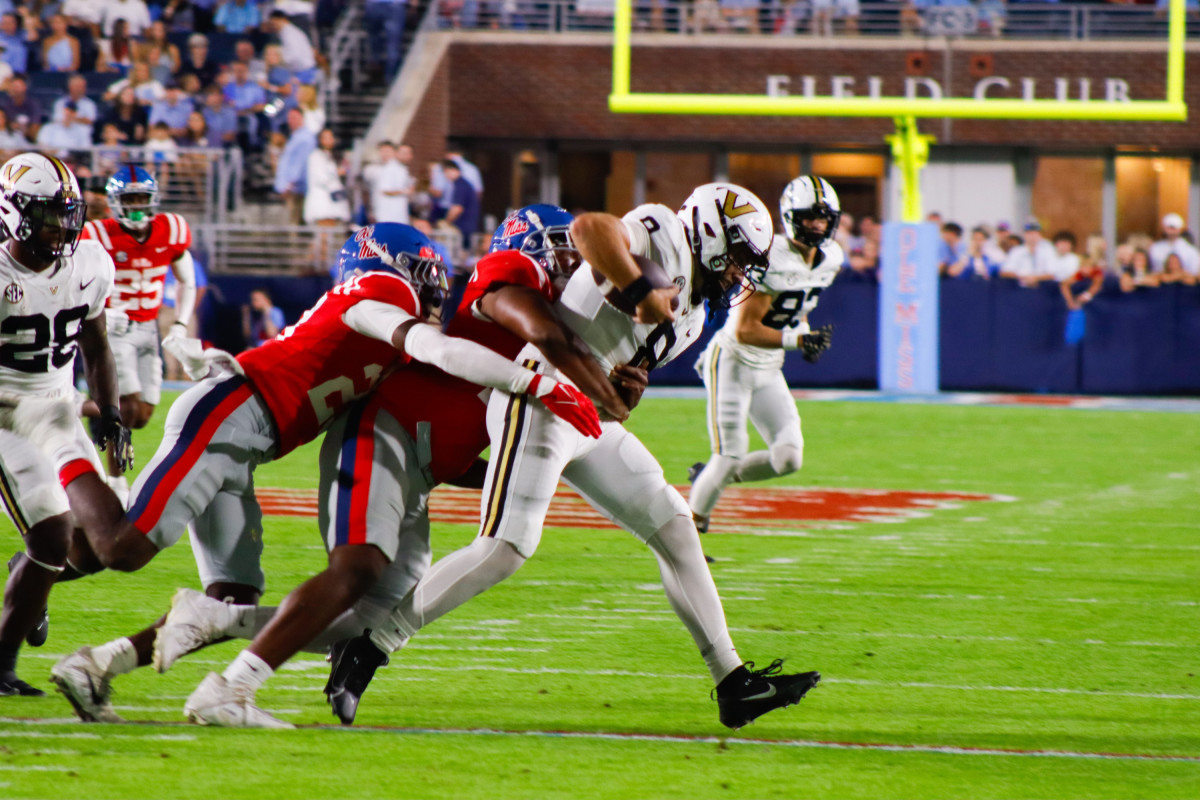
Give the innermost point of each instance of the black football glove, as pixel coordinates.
(815, 343)
(107, 429)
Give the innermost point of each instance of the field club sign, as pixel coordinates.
(993, 87)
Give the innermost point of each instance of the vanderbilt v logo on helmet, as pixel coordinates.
(804, 200)
(727, 225)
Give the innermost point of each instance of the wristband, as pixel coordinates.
(636, 292)
(791, 338)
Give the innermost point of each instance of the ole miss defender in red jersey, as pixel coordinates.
(378, 463)
(281, 395)
(143, 245)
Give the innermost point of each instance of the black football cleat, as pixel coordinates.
(354, 662)
(746, 693)
(694, 471)
(36, 636)
(12, 686)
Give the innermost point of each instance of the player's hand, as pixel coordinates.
(568, 403)
(656, 306)
(108, 430)
(631, 382)
(814, 343)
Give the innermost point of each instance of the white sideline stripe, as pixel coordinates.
(800, 743)
(620, 673)
(24, 734)
(962, 637)
(34, 768)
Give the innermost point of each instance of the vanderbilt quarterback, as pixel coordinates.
(143, 245)
(54, 290)
(742, 366)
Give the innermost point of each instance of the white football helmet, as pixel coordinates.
(727, 225)
(40, 205)
(807, 198)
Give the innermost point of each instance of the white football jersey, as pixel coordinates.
(796, 285)
(614, 338)
(42, 314)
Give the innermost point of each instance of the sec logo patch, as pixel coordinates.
(13, 293)
(121, 256)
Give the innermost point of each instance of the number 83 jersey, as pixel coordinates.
(42, 315)
(795, 286)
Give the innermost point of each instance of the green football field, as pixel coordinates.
(1003, 601)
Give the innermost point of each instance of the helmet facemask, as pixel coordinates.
(728, 278)
(427, 274)
(50, 226)
(134, 209)
(554, 249)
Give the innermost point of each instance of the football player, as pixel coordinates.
(720, 236)
(266, 403)
(143, 245)
(742, 367)
(54, 288)
(379, 460)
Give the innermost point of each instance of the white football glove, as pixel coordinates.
(198, 362)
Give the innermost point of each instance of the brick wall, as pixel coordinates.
(536, 89)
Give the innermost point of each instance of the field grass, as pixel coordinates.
(972, 638)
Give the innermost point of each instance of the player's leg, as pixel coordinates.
(727, 382)
(622, 480)
(372, 510)
(773, 413)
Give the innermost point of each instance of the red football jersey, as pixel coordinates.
(456, 409)
(506, 268)
(309, 372)
(141, 266)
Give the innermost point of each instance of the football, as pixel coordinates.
(653, 272)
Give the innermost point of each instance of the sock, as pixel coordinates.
(693, 595)
(247, 670)
(120, 486)
(249, 620)
(717, 474)
(117, 657)
(8, 656)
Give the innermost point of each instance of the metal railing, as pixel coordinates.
(347, 53)
(201, 183)
(269, 249)
(992, 18)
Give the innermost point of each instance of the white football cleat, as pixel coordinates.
(194, 620)
(85, 685)
(215, 702)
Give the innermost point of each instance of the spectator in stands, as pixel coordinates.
(14, 42)
(848, 12)
(24, 111)
(196, 132)
(390, 186)
(992, 15)
(261, 319)
(741, 16)
(243, 52)
(868, 228)
(306, 101)
(280, 85)
(128, 116)
(163, 56)
(172, 110)
(1174, 272)
(11, 139)
(298, 54)
(469, 170)
(384, 21)
(326, 203)
(248, 100)
(60, 50)
(1066, 261)
(1082, 285)
(952, 249)
(866, 261)
(6, 72)
(822, 18)
(201, 12)
(116, 54)
(995, 248)
(110, 151)
(134, 12)
(220, 117)
(1137, 273)
(67, 132)
(462, 202)
(1033, 261)
(198, 62)
(146, 90)
(85, 108)
(84, 14)
(974, 262)
(293, 163)
(844, 235)
(162, 151)
(1173, 241)
(238, 16)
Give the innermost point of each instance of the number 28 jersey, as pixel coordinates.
(42, 315)
(309, 372)
(612, 335)
(795, 286)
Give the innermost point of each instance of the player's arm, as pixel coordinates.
(524, 312)
(604, 242)
(474, 477)
(185, 296)
(469, 361)
(101, 372)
